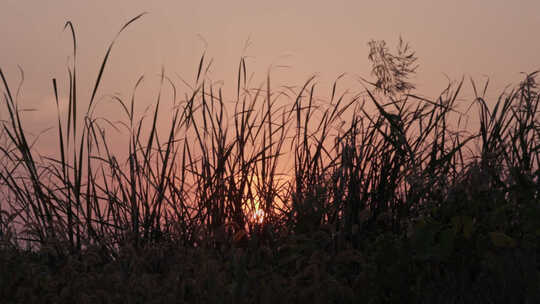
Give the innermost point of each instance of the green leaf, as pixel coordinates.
(463, 223)
(468, 226)
(456, 224)
(500, 239)
(447, 242)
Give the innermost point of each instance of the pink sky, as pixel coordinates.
(494, 38)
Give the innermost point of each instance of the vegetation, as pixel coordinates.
(289, 199)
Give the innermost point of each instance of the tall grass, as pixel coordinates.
(354, 174)
(200, 179)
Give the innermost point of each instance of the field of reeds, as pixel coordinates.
(281, 195)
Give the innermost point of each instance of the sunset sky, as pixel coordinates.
(495, 38)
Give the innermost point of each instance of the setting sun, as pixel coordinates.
(258, 216)
(253, 205)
